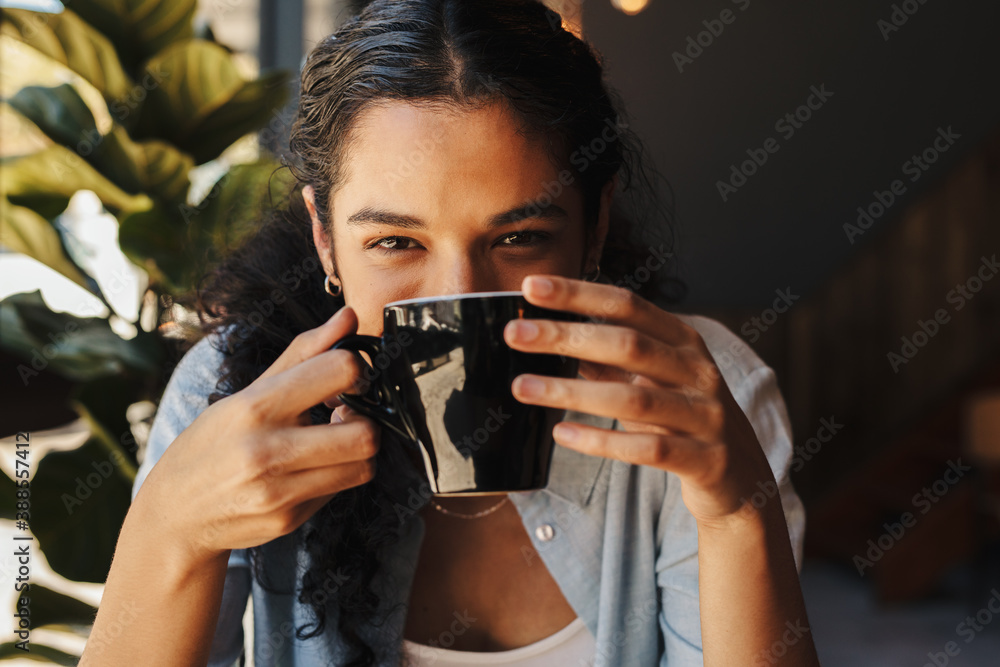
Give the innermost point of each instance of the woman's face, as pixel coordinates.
(430, 206)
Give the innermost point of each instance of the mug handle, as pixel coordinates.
(378, 402)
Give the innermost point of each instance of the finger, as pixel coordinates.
(310, 507)
(343, 413)
(592, 371)
(313, 342)
(634, 351)
(607, 303)
(301, 448)
(308, 485)
(678, 453)
(313, 505)
(285, 396)
(661, 406)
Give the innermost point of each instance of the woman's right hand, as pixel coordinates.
(252, 467)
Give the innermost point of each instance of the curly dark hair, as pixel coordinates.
(451, 54)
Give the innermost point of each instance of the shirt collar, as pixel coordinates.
(574, 475)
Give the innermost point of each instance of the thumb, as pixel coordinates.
(341, 414)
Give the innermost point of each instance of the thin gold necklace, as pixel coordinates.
(469, 516)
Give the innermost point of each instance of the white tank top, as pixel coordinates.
(573, 646)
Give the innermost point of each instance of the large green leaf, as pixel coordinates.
(139, 28)
(151, 167)
(202, 104)
(174, 247)
(39, 653)
(254, 106)
(103, 404)
(45, 180)
(8, 488)
(68, 40)
(24, 231)
(60, 113)
(158, 242)
(79, 348)
(237, 203)
(49, 607)
(79, 501)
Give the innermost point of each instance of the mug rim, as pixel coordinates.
(453, 297)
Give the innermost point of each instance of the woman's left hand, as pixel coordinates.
(653, 373)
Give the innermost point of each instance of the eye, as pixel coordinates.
(524, 238)
(390, 244)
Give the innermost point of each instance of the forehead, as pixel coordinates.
(439, 154)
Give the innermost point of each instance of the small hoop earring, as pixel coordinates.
(592, 277)
(326, 286)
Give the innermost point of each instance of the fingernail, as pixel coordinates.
(523, 330)
(540, 286)
(529, 386)
(565, 433)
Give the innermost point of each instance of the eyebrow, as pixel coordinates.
(370, 215)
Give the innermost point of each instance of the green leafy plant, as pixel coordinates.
(127, 101)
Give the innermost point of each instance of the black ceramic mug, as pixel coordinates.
(440, 378)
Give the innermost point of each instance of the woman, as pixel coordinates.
(446, 147)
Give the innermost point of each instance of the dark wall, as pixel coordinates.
(891, 92)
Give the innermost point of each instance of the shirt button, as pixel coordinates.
(545, 532)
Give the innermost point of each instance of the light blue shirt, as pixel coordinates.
(616, 537)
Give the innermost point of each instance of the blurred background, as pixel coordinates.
(835, 170)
